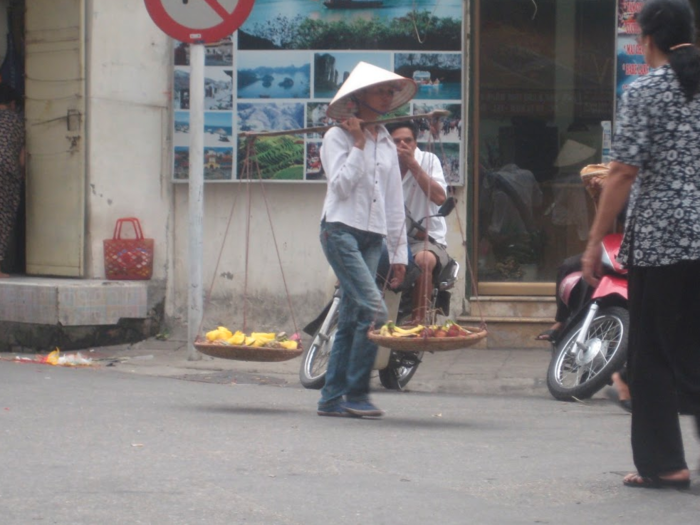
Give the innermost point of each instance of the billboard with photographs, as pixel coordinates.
(280, 70)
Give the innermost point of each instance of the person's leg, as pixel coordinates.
(657, 444)
(426, 261)
(335, 384)
(342, 250)
(371, 311)
(570, 265)
(354, 260)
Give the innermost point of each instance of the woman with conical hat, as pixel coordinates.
(363, 205)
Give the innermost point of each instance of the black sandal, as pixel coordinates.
(654, 482)
(548, 335)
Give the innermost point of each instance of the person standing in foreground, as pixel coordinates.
(657, 163)
(11, 165)
(424, 190)
(363, 204)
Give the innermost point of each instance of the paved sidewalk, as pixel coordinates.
(480, 371)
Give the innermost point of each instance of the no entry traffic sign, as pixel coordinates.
(199, 21)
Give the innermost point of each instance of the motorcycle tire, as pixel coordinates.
(314, 360)
(401, 368)
(573, 377)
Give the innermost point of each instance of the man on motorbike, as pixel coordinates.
(424, 190)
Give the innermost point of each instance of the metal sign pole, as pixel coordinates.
(195, 289)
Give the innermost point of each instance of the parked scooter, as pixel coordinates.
(395, 368)
(592, 344)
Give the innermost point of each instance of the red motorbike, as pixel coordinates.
(592, 344)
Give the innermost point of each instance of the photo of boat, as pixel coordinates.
(353, 4)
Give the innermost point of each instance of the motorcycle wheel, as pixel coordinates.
(314, 360)
(401, 368)
(579, 376)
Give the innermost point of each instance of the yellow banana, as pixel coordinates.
(249, 341)
(264, 335)
(213, 335)
(224, 333)
(289, 345)
(413, 331)
(236, 339)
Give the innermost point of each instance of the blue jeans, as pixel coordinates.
(353, 254)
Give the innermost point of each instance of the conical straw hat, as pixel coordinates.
(572, 153)
(363, 76)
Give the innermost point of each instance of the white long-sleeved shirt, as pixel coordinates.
(364, 187)
(417, 202)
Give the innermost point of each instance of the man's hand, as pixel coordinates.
(397, 274)
(591, 265)
(406, 156)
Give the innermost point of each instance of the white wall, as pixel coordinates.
(128, 123)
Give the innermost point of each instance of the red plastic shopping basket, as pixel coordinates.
(130, 258)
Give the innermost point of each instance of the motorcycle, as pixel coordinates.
(395, 368)
(593, 341)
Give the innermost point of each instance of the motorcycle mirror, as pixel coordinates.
(447, 207)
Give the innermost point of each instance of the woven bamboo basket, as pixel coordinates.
(247, 353)
(429, 344)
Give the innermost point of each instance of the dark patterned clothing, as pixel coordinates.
(11, 143)
(659, 132)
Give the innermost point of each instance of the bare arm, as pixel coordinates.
(612, 201)
(427, 184)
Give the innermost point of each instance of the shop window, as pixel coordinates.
(545, 81)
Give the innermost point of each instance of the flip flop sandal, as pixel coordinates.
(548, 335)
(655, 482)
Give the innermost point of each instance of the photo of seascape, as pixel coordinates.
(396, 24)
(262, 75)
(331, 69)
(438, 75)
(218, 128)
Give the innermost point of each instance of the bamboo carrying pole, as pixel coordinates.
(433, 116)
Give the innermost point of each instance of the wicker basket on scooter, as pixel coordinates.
(246, 353)
(429, 344)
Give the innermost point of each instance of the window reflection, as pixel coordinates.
(546, 83)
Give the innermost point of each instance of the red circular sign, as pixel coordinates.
(199, 21)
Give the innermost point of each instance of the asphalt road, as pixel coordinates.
(105, 446)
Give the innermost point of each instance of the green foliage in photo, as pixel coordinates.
(278, 158)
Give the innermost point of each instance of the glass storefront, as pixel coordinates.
(544, 97)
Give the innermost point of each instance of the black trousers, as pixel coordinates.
(664, 362)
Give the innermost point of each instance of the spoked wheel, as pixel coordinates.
(401, 368)
(314, 360)
(578, 373)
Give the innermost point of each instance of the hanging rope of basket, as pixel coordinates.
(262, 349)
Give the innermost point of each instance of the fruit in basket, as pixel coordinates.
(265, 336)
(223, 335)
(236, 339)
(449, 329)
